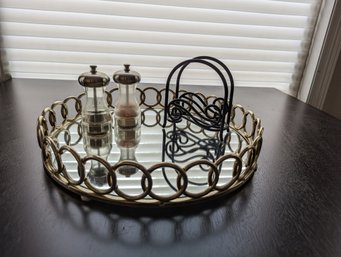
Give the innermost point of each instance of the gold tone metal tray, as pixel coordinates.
(168, 173)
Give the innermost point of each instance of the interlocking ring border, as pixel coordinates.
(246, 125)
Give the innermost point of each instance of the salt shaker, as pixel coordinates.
(96, 123)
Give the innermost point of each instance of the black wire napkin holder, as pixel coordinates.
(213, 116)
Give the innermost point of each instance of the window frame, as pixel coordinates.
(324, 53)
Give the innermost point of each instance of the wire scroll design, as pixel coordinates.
(213, 116)
(182, 146)
(179, 143)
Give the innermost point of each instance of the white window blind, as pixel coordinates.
(265, 43)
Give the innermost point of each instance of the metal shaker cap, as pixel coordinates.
(93, 78)
(126, 76)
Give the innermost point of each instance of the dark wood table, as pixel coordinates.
(291, 207)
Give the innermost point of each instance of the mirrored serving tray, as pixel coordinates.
(175, 165)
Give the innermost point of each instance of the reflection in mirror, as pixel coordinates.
(182, 145)
(127, 137)
(97, 140)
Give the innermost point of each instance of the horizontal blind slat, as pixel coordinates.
(260, 6)
(42, 30)
(110, 47)
(133, 23)
(280, 86)
(159, 63)
(161, 12)
(67, 68)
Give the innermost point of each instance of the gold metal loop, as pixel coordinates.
(146, 175)
(111, 176)
(47, 158)
(249, 161)
(80, 167)
(78, 106)
(63, 110)
(212, 178)
(180, 173)
(170, 91)
(157, 117)
(157, 97)
(237, 167)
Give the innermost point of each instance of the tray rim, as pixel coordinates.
(48, 115)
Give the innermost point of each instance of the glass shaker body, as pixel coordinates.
(96, 123)
(127, 112)
(127, 115)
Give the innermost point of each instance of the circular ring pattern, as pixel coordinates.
(80, 167)
(47, 158)
(213, 177)
(146, 175)
(157, 117)
(180, 173)
(237, 167)
(111, 176)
